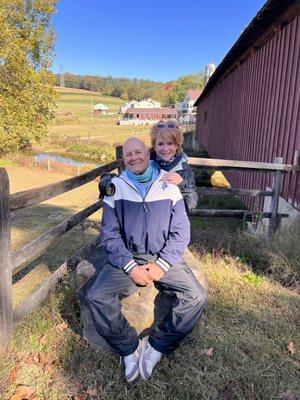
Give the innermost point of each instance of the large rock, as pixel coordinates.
(144, 309)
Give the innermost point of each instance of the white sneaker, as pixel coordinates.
(148, 359)
(131, 363)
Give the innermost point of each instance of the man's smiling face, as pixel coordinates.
(135, 155)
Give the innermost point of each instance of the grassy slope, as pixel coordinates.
(73, 117)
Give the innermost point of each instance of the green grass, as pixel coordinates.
(250, 321)
(81, 97)
(217, 203)
(4, 162)
(249, 324)
(73, 117)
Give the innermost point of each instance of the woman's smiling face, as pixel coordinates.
(165, 148)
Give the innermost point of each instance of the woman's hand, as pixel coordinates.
(172, 177)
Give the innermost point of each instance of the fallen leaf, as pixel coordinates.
(36, 359)
(43, 339)
(56, 362)
(291, 348)
(43, 360)
(48, 368)
(61, 327)
(13, 373)
(91, 391)
(29, 359)
(24, 393)
(78, 397)
(207, 352)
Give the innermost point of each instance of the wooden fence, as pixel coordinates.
(11, 263)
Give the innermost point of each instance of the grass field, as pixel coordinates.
(74, 117)
(249, 349)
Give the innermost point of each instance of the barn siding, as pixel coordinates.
(253, 113)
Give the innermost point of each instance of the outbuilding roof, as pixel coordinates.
(101, 106)
(193, 94)
(268, 14)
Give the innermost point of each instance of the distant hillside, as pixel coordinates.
(127, 89)
(79, 101)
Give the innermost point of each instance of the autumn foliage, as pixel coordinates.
(27, 93)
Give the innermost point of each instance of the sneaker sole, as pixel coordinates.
(133, 378)
(136, 374)
(144, 342)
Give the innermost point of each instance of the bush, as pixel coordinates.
(103, 154)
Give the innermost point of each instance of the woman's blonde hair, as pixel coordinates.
(175, 134)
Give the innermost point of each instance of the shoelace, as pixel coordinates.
(129, 359)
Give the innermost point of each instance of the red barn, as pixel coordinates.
(250, 107)
(151, 113)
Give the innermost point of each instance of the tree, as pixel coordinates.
(183, 84)
(27, 94)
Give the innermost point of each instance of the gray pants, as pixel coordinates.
(187, 302)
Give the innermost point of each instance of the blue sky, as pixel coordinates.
(159, 39)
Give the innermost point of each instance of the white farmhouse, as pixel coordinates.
(101, 108)
(186, 110)
(147, 103)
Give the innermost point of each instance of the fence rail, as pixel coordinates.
(232, 165)
(30, 197)
(11, 263)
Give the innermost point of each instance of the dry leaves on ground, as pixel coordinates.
(24, 393)
(78, 397)
(38, 359)
(91, 391)
(291, 348)
(207, 352)
(61, 326)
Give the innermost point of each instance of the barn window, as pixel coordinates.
(205, 117)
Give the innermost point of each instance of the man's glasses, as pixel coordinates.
(170, 125)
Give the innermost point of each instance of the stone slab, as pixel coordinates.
(144, 309)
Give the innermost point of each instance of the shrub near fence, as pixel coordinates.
(11, 263)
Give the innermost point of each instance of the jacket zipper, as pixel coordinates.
(143, 198)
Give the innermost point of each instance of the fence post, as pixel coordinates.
(119, 155)
(275, 198)
(6, 310)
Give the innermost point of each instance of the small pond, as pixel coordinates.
(62, 160)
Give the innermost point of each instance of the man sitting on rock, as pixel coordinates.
(145, 231)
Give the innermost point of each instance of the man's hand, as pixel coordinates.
(172, 177)
(155, 272)
(141, 276)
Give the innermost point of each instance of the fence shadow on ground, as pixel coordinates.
(29, 223)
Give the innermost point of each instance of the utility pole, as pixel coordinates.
(92, 111)
(61, 77)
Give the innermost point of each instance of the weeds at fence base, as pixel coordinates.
(277, 257)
